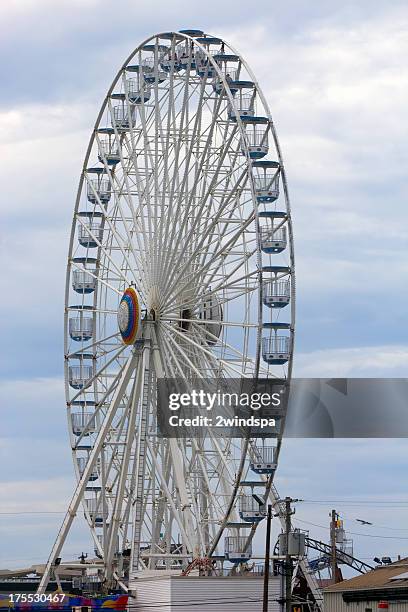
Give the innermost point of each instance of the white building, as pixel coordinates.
(205, 594)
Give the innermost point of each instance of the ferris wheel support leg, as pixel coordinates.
(140, 461)
(169, 497)
(130, 435)
(77, 496)
(161, 504)
(178, 466)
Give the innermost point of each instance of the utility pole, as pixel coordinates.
(333, 524)
(288, 558)
(267, 559)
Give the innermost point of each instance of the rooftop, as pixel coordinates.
(385, 576)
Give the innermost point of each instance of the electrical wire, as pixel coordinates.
(364, 535)
(352, 502)
(349, 518)
(187, 602)
(207, 602)
(34, 512)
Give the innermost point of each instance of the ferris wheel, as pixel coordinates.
(180, 265)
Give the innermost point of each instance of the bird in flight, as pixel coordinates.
(363, 522)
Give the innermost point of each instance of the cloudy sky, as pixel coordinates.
(336, 80)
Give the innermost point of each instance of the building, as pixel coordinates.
(385, 587)
(204, 594)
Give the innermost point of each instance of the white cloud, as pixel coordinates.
(372, 361)
(337, 94)
(45, 122)
(51, 495)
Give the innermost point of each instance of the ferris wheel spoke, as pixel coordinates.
(187, 356)
(164, 183)
(96, 277)
(217, 256)
(229, 245)
(195, 344)
(235, 293)
(181, 200)
(209, 494)
(171, 357)
(170, 115)
(225, 478)
(217, 238)
(176, 154)
(99, 342)
(172, 344)
(151, 158)
(219, 202)
(202, 205)
(112, 464)
(208, 335)
(127, 193)
(112, 229)
(145, 198)
(234, 287)
(234, 284)
(199, 325)
(212, 364)
(221, 455)
(98, 373)
(207, 231)
(230, 292)
(206, 169)
(128, 245)
(106, 254)
(239, 257)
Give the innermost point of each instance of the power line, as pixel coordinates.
(188, 602)
(33, 512)
(349, 518)
(370, 502)
(364, 535)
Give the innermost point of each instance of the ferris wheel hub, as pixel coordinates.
(129, 316)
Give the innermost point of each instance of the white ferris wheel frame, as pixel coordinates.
(175, 345)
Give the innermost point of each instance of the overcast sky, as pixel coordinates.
(336, 80)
